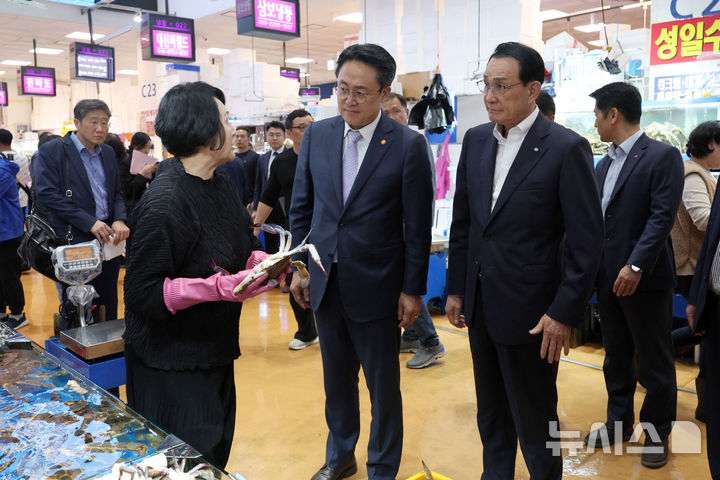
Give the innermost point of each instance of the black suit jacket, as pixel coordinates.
(700, 286)
(382, 232)
(261, 176)
(641, 213)
(515, 257)
(78, 211)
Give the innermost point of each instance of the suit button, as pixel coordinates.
(342, 225)
(607, 238)
(609, 215)
(486, 237)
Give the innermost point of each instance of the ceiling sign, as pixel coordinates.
(684, 40)
(167, 39)
(92, 62)
(3, 94)
(37, 81)
(273, 19)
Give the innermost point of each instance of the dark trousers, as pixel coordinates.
(423, 330)
(516, 399)
(12, 296)
(305, 319)
(196, 405)
(638, 324)
(106, 287)
(346, 344)
(711, 360)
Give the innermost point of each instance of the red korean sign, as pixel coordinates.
(683, 40)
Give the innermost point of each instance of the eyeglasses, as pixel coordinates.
(393, 111)
(359, 97)
(498, 90)
(300, 127)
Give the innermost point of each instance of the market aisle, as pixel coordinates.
(280, 431)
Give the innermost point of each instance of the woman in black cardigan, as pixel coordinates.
(189, 230)
(134, 185)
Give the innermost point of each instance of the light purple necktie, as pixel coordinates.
(350, 161)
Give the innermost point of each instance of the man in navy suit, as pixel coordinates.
(525, 243)
(363, 191)
(275, 135)
(95, 208)
(640, 182)
(703, 312)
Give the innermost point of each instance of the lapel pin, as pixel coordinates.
(383, 141)
(535, 149)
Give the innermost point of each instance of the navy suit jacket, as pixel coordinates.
(700, 286)
(641, 213)
(78, 211)
(382, 233)
(261, 176)
(538, 250)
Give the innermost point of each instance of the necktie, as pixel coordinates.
(270, 160)
(714, 279)
(350, 161)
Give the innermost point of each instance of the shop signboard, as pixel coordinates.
(37, 81)
(167, 39)
(3, 94)
(291, 73)
(273, 19)
(92, 62)
(684, 32)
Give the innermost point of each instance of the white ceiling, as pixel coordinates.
(17, 31)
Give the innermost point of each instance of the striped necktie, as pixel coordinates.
(350, 161)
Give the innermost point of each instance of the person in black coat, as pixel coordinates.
(134, 185)
(181, 313)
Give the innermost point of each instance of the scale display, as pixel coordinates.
(92, 62)
(273, 19)
(79, 257)
(37, 81)
(166, 38)
(3, 95)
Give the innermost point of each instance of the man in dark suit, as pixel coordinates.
(275, 136)
(640, 182)
(525, 244)
(703, 312)
(247, 156)
(363, 191)
(95, 208)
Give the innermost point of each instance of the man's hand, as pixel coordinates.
(690, 312)
(453, 307)
(301, 294)
(556, 337)
(101, 231)
(626, 282)
(408, 309)
(122, 232)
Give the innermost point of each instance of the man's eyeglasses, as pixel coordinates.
(498, 90)
(300, 127)
(359, 97)
(393, 111)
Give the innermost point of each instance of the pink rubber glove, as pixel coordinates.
(181, 293)
(256, 257)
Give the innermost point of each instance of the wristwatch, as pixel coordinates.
(636, 269)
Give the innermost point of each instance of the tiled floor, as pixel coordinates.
(280, 430)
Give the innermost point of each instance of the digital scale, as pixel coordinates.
(76, 265)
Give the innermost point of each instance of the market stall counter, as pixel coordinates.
(55, 423)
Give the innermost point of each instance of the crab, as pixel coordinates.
(277, 263)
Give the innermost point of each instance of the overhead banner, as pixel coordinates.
(273, 19)
(92, 62)
(167, 39)
(37, 81)
(685, 32)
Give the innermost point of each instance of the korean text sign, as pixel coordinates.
(683, 40)
(38, 81)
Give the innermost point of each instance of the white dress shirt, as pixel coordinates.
(367, 132)
(507, 150)
(273, 156)
(618, 154)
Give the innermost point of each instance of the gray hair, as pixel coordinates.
(83, 107)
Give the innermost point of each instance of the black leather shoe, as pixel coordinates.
(605, 436)
(343, 471)
(655, 454)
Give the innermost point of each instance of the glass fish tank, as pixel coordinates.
(56, 424)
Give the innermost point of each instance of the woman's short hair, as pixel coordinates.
(188, 118)
(701, 137)
(138, 141)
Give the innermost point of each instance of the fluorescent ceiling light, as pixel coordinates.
(597, 43)
(551, 14)
(84, 36)
(2, 72)
(19, 63)
(636, 5)
(590, 27)
(128, 72)
(218, 51)
(46, 51)
(331, 64)
(137, 18)
(355, 17)
(299, 60)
